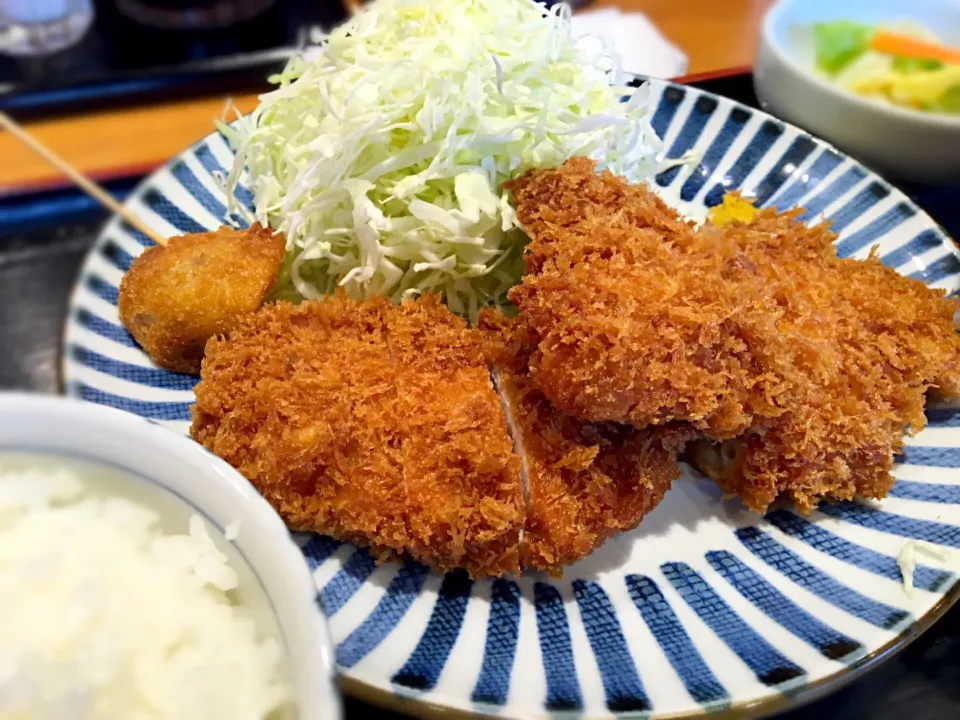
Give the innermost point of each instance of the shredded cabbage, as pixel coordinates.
(381, 154)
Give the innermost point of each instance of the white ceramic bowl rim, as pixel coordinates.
(935, 119)
(313, 690)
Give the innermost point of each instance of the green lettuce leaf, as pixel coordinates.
(839, 43)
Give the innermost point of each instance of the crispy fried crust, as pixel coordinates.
(865, 345)
(302, 401)
(173, 299)
(759, 331)
(370, 423)
(640, 319)
(584, 481)
(465, 507)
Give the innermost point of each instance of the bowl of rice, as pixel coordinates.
(143, 577)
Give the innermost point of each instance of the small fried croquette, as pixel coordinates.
(640, 318)
(584, 481)
(174, 298)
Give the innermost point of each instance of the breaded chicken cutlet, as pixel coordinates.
(640, 318)
(380, 425)
(175, 298)
(865, 345)
(758, 332)
(585, 481)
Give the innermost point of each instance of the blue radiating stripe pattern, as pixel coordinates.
(868, 235)
(164, 207)
(689, 665)
(766, 662)
(390, 610)
(621, 684)
(821, 584)
(786, 166)
(115, 255)
(148, 376)
(862, 557)
(907, 527)
(826, 162)
(318, 549)
(943, 417)
(732, 127)
(948, 457)
(143, 408)
(191, 183)
(923, 242)
(941, 268)
(700, 113)
(136, 234)
(768, 133)
(666, 109)
(556, 649)
(210, 164)
(503, 628)
(342, 586)
(819, 202)
(426, 663)
(927, 492)
(861, 202)
(831, 643)
(104, 328)
(101, 288)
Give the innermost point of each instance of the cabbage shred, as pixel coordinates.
(381, 153)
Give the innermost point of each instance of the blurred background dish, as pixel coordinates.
(190, 480)
(907, 143)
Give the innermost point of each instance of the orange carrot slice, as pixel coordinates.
(911, 47)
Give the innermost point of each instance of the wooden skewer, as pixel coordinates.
(85, 183)
(353, 6)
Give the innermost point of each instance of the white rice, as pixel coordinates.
(103, 615)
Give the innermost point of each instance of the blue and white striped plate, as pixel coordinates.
(705, 606)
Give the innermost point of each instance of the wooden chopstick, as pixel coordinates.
(353, 6)
(85, 183)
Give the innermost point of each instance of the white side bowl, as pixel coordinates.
(907, 144)
(61, 426)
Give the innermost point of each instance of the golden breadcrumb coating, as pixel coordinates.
(174, 298)
(584, 481)
(464, 501)
(640, 318)
(865, 344)
(757, 331)
(302, 401)
(371, 423)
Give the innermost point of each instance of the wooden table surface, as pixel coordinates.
(715, 35)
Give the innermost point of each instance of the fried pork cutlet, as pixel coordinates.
(757, 331)
(639, 318)
(395, 444)
(302, 401)
(174, 298)
(865, 345)
(381, 425)
(584, 481)
(464, 501)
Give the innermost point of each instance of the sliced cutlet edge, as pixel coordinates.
(585, 481)
(461, 474)
(301, 400)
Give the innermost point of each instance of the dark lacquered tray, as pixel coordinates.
(44, 237)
